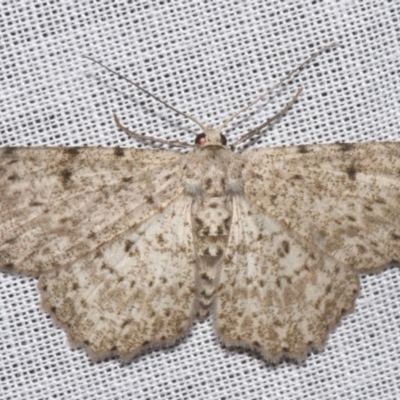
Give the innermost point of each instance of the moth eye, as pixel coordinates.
(223, 139)
(200, 139)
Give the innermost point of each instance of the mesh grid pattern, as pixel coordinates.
(208, 59)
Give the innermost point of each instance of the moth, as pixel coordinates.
(132, 246)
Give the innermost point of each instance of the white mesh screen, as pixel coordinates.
(208, 59)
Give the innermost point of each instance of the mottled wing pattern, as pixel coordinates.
(278, 293)
(57, 205)
(344, 198)
(310, 217)
(109, 233)
(135, 292)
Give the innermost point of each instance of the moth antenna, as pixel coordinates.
(198, 123)
(255, 131)
(271, 89)
(173, 143)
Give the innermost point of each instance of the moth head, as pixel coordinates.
(210, 137)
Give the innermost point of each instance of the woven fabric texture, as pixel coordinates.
(208, 59)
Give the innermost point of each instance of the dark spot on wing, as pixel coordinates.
(361, 248)
(127, 179)
(128, 245)
(12, 177)
(11, 241)
(9, 150)
(207, 184)
(107, 267)
(65, 176)
(118, 152)
(198, 221)
(395, 237)
(297, 177)
(167, 312)
(328, 289)
(256, 175)
(9, 265)
(98, 254)
(149, 199)
(75, 286)
(336, 270)
(302, 149)
(125, 323)
(35, 204)
(73, 151)
(351, 172)
(222, 329)
(160, 239)
(286, 246)
(345, 146)
(227, 222)
(380, 201)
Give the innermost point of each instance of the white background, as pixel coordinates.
(208, 59)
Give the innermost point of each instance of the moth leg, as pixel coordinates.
(269, 121)
(150, 138)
